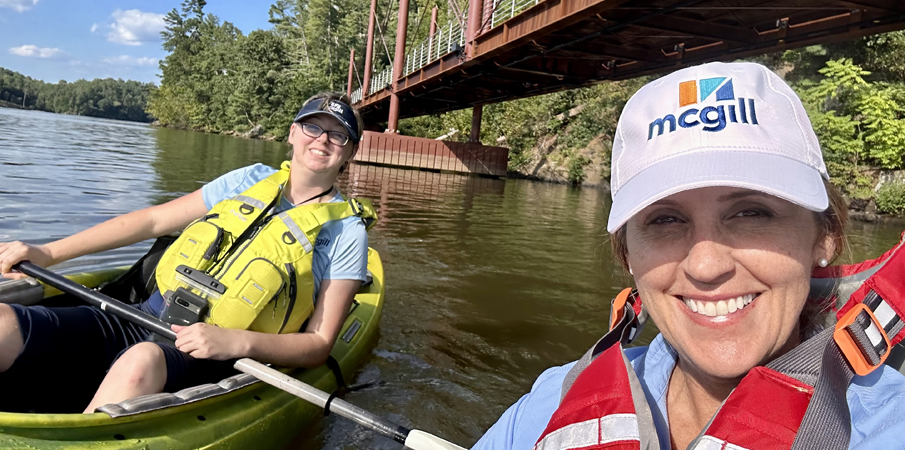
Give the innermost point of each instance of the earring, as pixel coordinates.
(630, 271)
(822, 262)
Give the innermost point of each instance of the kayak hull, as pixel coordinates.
(255, 416)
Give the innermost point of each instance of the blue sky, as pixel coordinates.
(54, 40)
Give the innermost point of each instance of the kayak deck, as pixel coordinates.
(254, 416)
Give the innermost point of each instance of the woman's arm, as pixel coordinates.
(308, 349)
(120, 231)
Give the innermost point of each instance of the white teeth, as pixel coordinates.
(318, 152)
(720, 308)
(692, 305)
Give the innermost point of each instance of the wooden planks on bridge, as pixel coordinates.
(406, 151)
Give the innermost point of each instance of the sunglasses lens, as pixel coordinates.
(338, 138)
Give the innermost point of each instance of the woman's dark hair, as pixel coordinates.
(833, 221)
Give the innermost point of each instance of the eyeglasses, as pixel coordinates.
(314, 131)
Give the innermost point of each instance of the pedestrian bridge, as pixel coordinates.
(511, 49)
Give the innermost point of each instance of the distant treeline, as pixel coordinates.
(107, 98)
(218, 79)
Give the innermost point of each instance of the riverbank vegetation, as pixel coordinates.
(106, 98)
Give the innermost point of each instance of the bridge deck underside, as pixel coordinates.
(564, 44)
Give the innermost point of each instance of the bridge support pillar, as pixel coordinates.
(369, 51)
(473, 28)
(351, 68)
(398, 65)
(433, 31)
(476, 113)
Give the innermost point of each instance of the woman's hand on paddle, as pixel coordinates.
(206, 341)
(16, 251)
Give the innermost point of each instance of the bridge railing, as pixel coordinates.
(381, 81)
(504, 10)
(445, 40)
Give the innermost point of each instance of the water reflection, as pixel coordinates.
(185, 160)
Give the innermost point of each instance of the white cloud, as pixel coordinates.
(36, 52)
(93, 27)
(18, 5)
(126, 60)
(134, 27)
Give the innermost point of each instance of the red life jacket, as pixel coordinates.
(603, 406)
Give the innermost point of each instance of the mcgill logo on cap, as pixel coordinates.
(712, 117)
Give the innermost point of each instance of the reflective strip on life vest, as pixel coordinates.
(712, 443)
(296, 231)
(598, 411)
(590, 434)
(250, 201)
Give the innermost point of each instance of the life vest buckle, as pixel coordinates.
(617, 310)
(862, 339)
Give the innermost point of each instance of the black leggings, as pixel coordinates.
(68, 351)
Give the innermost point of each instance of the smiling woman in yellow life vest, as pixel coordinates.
(266, 267)
(724, 216)
(236, 278)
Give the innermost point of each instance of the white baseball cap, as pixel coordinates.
(717, 124)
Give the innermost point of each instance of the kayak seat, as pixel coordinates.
(152, 402)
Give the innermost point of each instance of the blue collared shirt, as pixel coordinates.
(876, 403)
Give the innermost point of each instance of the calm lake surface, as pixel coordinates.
(489, 281)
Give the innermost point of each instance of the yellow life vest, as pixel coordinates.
(253, 266)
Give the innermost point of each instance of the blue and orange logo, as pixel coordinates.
(688, 90)
(713, 117)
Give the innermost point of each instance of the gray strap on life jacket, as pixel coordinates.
(827, 423)
(803, 363)
(623, 332)
(647, 431)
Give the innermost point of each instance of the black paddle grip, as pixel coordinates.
(95, 298)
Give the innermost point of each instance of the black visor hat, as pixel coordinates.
(335, 108)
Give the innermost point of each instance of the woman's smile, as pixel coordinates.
(724, 273)
(718, 308)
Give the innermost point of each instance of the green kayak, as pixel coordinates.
(237, 413)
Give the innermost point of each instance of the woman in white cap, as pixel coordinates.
(267, 221)
(722, 209)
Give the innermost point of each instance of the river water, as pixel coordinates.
(489, 281)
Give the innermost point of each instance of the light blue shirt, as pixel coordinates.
(341, 248)
(876, 403)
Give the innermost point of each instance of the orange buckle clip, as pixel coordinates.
(850, 348)
(618, 308)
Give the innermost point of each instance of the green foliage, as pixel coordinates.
(858, 121)
(577, 163)
(107, 98)
(891, 198)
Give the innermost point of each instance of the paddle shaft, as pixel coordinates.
(247, 365)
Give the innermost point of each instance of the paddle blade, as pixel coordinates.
(419, 440)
